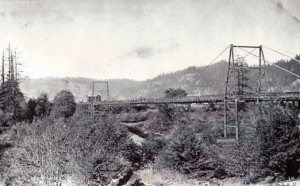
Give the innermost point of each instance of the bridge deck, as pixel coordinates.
(275, 96)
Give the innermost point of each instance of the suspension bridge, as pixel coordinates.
(244, 83)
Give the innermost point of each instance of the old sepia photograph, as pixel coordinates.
(149, 92)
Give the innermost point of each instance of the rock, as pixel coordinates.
(135, 181)
(122, 179)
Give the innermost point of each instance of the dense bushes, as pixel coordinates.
(175, 93)
(191, 151)
(64, 104)
(269, 145)
(39, 155)
(279, 143)
(40, 107)
(12, 104)
(95, 151)
(47, 151)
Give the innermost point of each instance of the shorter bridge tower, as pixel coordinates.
(243, 80)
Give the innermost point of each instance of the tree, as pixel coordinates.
(278, 143)
(12, 103)
(175, 93)
(43, 106)
(31, 104)
(64, 104)
(191, 151)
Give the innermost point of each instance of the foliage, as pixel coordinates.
(108, 146)
(12, 103)
(105, 167)
(239, 160)
(280, 78)
(151, 148)
(279, 142)
(157, 122)
(40, 107)
(39, 156)
(191, 151)
(175, 93)
(48, 150)
(64, 104)
(31, 104)
(43, 106)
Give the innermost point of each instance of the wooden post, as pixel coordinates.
(107, 89)
(225, 119)
(3, 78)
(236, 122)
(93, 89)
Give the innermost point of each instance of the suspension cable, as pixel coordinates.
(282, 54)
(113, 86)
(209, 65)
(206, 67)
(271, 63)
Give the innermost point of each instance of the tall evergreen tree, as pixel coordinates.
(279, 142)
(12, 103)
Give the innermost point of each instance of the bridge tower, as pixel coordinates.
(243, 80)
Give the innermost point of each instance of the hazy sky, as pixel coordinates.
(139, 39)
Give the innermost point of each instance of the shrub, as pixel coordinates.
(43, 106)
(279, 142)
(175, 93)
(105, 167)
(39, 156)
(48, 150)
(102, 150)
(31, 104)
(191, 152)
(64, 104)
(12, 104)
(151, 148)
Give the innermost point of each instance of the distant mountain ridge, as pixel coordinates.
(195, 80)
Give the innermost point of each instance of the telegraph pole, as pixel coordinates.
(107, 89)
(3, 78)
(12, 67)
(16, 67)
(9, 63)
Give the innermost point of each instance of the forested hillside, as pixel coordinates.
(195, 80)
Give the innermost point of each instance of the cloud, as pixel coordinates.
(145, 52)
(139, 52)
